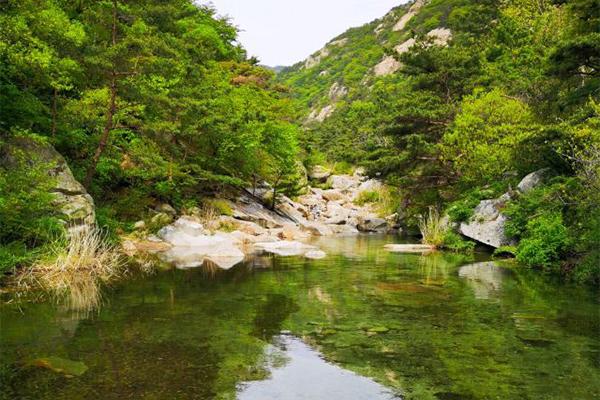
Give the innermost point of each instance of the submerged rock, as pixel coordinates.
(286, 248)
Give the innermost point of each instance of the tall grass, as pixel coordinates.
(432, 228)
(75, 269)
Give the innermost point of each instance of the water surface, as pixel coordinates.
(362, 323)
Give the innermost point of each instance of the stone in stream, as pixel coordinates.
(487, 225)
(409, 248)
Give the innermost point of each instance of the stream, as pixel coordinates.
(362, 323)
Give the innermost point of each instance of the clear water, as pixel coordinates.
(360, 324)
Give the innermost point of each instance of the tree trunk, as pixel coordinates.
(112, 108)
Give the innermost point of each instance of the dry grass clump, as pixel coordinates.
(432, 228)
(76, 268)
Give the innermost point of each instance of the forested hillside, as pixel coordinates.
(454, 101)
(148, 102)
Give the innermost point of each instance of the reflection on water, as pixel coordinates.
(297, 372)
(420, 326)
(485, 278)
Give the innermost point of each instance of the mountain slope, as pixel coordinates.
(359, 57)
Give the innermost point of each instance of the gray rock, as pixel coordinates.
(319, 173)
(344, 182)
(372, 224)
(70, 197)
(533, 180)
(488, 223)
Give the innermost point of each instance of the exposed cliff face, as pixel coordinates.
(70, 197)
(355, 60)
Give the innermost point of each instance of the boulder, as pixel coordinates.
(533, 180)
(317, 229)
(70, 197)
(248, 209)
(372, 223)
(184, 232)
(344, 230)
(488, 223)
(343, 182)
(319, 173)
(337, 214)
(191, 247)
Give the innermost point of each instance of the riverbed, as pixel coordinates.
(361, 323)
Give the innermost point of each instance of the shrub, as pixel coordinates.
(343, 168)
(545, 240)
(367, 197)
(454, 242)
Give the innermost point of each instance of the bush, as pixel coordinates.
(546, 239)
(367, 197)
(343, 168)
(220, 206)
(454, 242)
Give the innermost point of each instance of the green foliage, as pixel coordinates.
(544, 241)
(367, 197)
(454, 242)
(29, 220)
(221, 206)
(487, 138)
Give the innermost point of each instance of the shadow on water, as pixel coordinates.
(434, 327)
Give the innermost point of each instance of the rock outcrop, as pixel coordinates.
(70, 197)
(254, 228)
(487, 225)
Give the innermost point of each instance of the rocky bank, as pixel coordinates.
(285, 230)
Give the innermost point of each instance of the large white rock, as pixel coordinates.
(184, 232)
(191, 246)
(488, 223)
(317, 229)
(343, 182)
